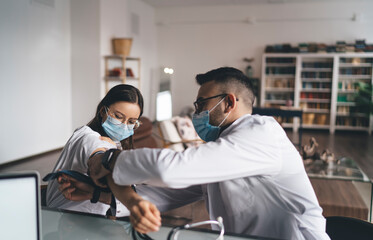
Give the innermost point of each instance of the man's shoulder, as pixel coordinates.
(256, 123)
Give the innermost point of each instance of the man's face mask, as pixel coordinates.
(201, 123)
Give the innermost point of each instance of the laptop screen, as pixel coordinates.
(19, 206)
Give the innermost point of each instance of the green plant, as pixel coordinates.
(363, 98)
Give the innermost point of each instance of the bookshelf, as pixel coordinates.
(315, 91)
(124, 69)
(353, 71)
(323, 85)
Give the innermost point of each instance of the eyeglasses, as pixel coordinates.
(119, 119)
(199, 104)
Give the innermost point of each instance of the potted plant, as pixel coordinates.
(363, 99)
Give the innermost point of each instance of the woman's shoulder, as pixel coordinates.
(85, 132)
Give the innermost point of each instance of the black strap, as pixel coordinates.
(106, 159)
(96, 195)
(94, 154)
(113, 205)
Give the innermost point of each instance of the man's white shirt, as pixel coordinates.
(252, 176)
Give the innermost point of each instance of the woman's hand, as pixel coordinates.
(144, 217)
(74, 190)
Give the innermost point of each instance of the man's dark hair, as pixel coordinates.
(230, 80)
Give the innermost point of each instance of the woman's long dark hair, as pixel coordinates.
(119, 93)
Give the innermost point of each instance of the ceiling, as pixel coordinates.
(189, 3)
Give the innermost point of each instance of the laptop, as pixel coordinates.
(20, 206)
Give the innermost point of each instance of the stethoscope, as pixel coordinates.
(174, 233)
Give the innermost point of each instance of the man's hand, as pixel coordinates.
(107, 139)
(96, 171)
(74, 190)
(144, 217)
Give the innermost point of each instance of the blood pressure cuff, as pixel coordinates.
(74, 174)
(85, 179)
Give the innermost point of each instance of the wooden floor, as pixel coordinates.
(355, 145)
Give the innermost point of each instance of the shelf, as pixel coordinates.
(114, 78)
(316, 90)
(131, 73)
(121, 57)
(315, 110)
(341, 127)
(317, 69)
(279, 89)
(348, 65)
(346, 104)
(287, 125)
(316, 79)
(275, 101)
(120, 78)
(352, 115)
(280, 65)
(280, 76)
(316, 126)
(132, 78)
(347, 91)
(355, 76)
(315, 100)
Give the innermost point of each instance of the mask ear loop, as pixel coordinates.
(215, 107)
(224, 119)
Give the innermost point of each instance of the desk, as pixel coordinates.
(334, 188)
(58, 224)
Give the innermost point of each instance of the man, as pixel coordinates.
(249, 172)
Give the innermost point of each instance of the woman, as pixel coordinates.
(116, 118)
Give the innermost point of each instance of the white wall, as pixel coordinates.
(35, 86)
(116, 23)
(52, 68)
(85, 60)
(197, 39)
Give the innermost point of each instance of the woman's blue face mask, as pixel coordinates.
(201, 123)
(117, 130)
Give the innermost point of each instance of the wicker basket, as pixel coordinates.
(122, 46)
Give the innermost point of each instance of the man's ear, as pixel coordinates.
(231, 103)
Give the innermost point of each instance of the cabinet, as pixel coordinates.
(325, 86)
(119, 68)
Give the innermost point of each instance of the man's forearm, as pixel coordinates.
(105, 198)
(124, 194)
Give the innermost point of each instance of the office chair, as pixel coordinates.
(346, 228)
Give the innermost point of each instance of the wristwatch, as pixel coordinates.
(108, 157)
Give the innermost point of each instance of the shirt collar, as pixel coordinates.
(227, 130)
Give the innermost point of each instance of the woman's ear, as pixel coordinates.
(231, 102)
(103, 114)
